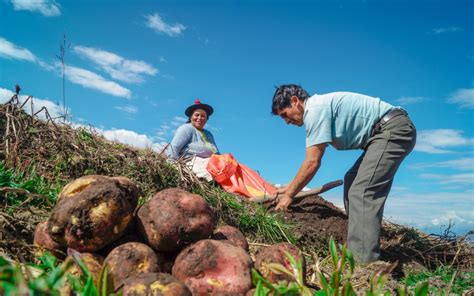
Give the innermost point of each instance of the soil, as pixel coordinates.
(316, 220)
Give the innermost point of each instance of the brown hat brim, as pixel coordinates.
(189, 111)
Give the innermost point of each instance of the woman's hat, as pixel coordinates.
(198, 105)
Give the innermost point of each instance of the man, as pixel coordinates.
(349, 121)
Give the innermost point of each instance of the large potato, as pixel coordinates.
(92, 211)
(211, 267)
(232, 235)
(44, 242)
(276, 254)
(154, 284)
(173, 218)
(131, 259)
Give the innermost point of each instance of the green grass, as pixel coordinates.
(31, 182)
(444, 275)
(249, 218)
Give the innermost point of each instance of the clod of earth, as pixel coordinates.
(92, 212)
(132, 259)
(174, 218)
(276, 254)
(211, 267)
(232, 235)
(156, 284)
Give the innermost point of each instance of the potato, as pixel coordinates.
(44, 242)
(130, 235)
(275, 254)
(92, 211)
(211, 267)
(131, 259)
(232, 235)
(173, 218)
(154, 284)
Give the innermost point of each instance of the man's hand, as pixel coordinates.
(279, 192)
(283, 203)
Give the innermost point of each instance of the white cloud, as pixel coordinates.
(410, 100)
(166, 130)
(45, 7)
(92, 80)
(463, 179)
(11, 51)
(431, 210)
(117, 67)
(54, 109)
(435, 141)
(128, 109)
(463, 97)
(177, 121)
(463, 164)
(163, 59)
(76, 75)
(443, 30)
(127, 137)
(134, 139)
(156, 23)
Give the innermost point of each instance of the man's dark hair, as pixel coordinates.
(283, 94)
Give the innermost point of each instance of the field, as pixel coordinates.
(38, 158)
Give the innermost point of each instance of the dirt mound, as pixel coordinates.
(316, 219)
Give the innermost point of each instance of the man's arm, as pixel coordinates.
(306, 172)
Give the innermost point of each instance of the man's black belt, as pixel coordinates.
(386, 118)
(391, 114)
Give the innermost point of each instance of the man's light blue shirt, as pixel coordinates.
(342, 119)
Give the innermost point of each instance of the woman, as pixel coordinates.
(194, 143)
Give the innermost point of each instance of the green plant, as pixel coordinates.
(84, 284)
(456, 281)
(339, 280)
(296, 287)
(16, 279)
(47, 277)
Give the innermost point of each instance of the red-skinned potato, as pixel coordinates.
(92, 212)
(211, 267)
(156, 284)
(44, 242)
(174, 218)
(131, 259)
(276, 254)
(232, 234)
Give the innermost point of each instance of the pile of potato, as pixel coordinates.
(167, 246)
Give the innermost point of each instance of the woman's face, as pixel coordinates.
(199, 119)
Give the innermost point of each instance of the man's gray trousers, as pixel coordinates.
(368, 182)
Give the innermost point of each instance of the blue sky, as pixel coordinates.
(134, 66)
